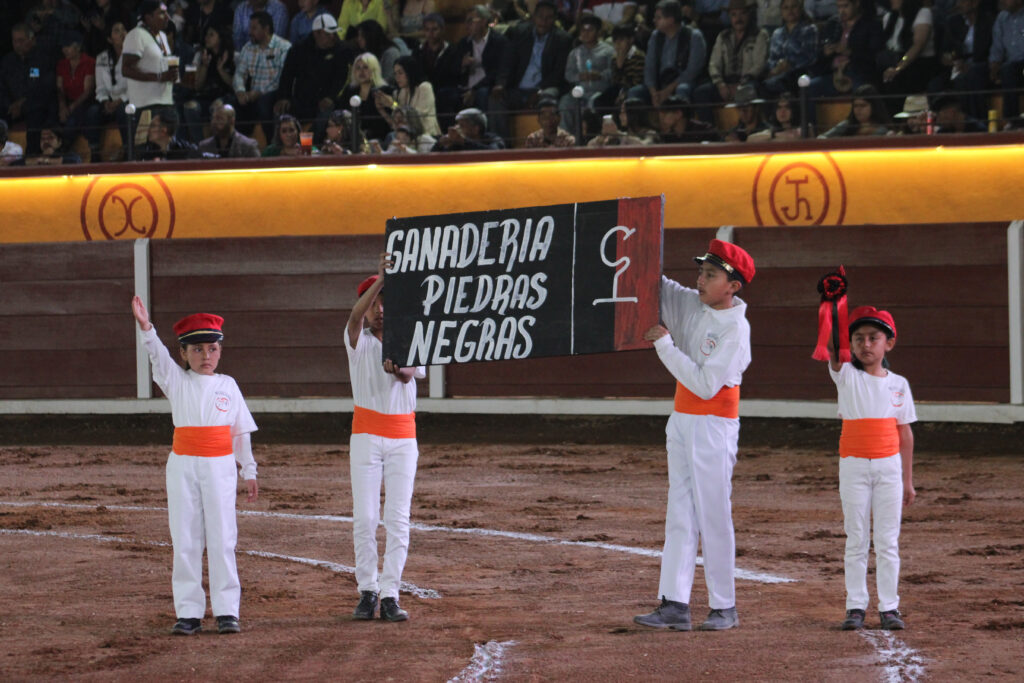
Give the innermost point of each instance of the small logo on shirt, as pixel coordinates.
(898, 398)
(222, 402)
(708, 345)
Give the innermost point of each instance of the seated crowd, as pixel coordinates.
(189, 79)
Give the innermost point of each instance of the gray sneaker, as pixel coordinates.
(892, 620)
(721, 620)
(669, 614)
(854, 620)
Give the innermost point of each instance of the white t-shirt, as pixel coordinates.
(924, 16)
(152, 53)
(864, 396)
(373, 388)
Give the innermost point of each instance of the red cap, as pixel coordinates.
(870, 314)
(198, 328)
(366, 284)
(730, 258)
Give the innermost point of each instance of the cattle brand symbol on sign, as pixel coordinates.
(799, 189)
(523, 283)
(124, 208)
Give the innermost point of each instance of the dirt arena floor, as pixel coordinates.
(527, 563)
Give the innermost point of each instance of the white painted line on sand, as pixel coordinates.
(485, 664)
(902, 664)
(760, 577)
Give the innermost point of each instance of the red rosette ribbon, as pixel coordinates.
(832, 317)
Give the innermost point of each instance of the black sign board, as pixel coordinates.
(520, 283)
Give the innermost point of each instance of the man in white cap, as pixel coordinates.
(314, 72)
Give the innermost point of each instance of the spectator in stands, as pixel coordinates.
(27, 82)
(740, 56)
(481, 53)
(676, 126)
(111, 92)
(441, 65)
(403, 141)
(355, 12)
(370, 37)
(534, 67)
(783, 124)
(406, 18)
(550, 133)
(9, 151)
(610, 12)
(244, 12)
(675, 56)
(76, 89)
(144, 63)
(706, 16)
(162, 143)
(1006, 58)
(52, 150)
(363, 81)
(611, 136)
(635, 119)
(627, 65)
(851, 42)
(589, 66)
(822, 11)
(302, 23)
(338, 136)
(226, 142)
(201, 15)
(412, 91)
(97, 18)
(469, 133)
(407, 117)
(966, 44)
(951, 118)
(750, 121)
(909, 58)
(52, 21)
(214, 80)
(258, 73)
(913, 119)
(769, 14)
(286, 138)
(867, 116)
(314, 72)
(793, 49)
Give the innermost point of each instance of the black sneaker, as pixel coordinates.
(187, 627)
(228, 624)
(891, 620)
(390, 611)
(669, 614)
(854, 620)
(366, 607)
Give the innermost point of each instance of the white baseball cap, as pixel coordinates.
(325, 22)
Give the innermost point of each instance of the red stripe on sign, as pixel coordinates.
(641, 277)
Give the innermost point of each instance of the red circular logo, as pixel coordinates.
(799, 189)
(118, 208)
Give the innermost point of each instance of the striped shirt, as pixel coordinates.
(262, 65)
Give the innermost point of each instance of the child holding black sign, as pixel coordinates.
(705, 343)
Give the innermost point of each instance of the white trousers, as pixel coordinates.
(701, 457)
(371, 460)
(872, 488)
(201, 513)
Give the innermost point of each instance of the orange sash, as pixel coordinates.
(204, 442)
(726, 403)
(874, 437)
(366, 421)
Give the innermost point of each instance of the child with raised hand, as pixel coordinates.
(211, 433)
(876, 450)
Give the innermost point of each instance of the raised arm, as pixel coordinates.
(141, 314)
(355, 318)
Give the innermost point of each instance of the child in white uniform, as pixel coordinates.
(705, 344)
(211, 432)
(876, 452)
(382, 446)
